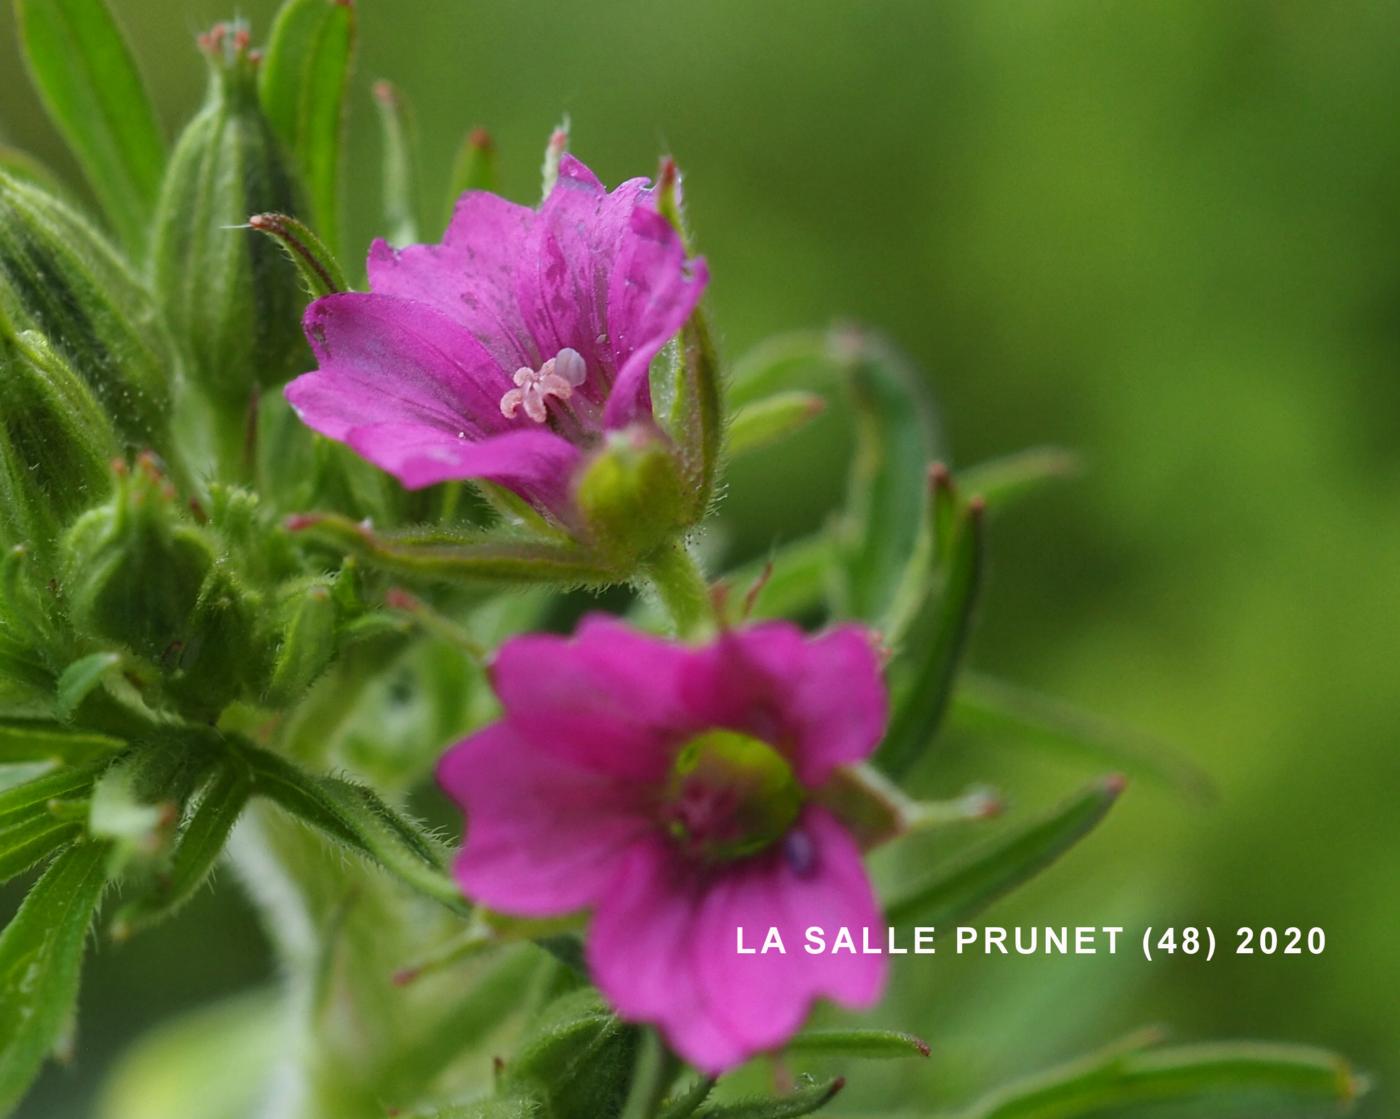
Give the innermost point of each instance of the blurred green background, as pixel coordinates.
(1164, 233)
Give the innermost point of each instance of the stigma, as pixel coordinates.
(557, 377)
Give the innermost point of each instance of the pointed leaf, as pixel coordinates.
(355, 816)
(41, 955)
(89, 83)
(1241, 1078)
(198, 847)
(474, 168)
(1005, 480)
(303, 86)
(22, 801)
(27, 840)
(804, 1101)
(773, 418)
(874, 1045)
(687, 1102)
(896, 440)
(980, 876)
(1012, 712)
(934, 657)
(400, 164)
(24, 741)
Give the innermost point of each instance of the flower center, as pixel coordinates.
(558, 377)
(730, 796)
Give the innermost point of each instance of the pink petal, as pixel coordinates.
(607, 699)
(652, 291)
(537, 464)
(639, 956)
(764, 999)
(543, 838)
(382, 360)
(478, 276)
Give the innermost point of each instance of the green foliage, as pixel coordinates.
(304, 88)
(577, 1057)
(805, 1100)
(41, 954)
(84, 69)
(1283, 1082)
(973, 881)
(399, 163)
(871, 1045)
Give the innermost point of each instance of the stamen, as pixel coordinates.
(558, 377)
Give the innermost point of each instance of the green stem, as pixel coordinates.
(682, 588)
(652, 1074)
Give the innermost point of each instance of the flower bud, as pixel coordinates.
(55, 444)
(230, 294)
(632, 495)
(138, 571)
(59, 276)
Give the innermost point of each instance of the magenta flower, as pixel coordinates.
(670, 790)
(508, 350)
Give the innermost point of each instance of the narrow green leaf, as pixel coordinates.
(200, 843)
(24, 842)
(458, 556)
(779, 364)
(1010, 712)
(21, 801)
(355, 816)
(804, 1101)
(979, 877)
(791, 582)
(771, 419)
(319, 270)
(25, 741)
(1005, 480)
(41, 954)
(875, 1045)
(303, 86)
(652, 1072)
(81, 678)
(1241, 1078)
(400, 164)
(87, 78)
(896, 440)
(934, 656)
(522, 1107)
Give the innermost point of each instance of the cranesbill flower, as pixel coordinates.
(670, 790)
(508, 350)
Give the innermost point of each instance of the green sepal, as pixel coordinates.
(56, 447)
(805, 1099)
(632, 495)
(577, 1056)
(1233, 1078)
(320, 272)
(231, 297)
(978, 877)
(304, 88)
(466, 557)
(308, 641)
(89, 83)
(41, 954)
(354, 816)
(59, 276)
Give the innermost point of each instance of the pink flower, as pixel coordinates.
(509, 349)
(669, 790)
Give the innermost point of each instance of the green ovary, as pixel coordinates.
(730, 796)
